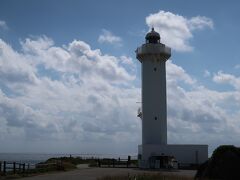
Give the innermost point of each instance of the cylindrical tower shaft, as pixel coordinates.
(153, 56)
(154, 118)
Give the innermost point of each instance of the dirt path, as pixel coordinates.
(94, 173)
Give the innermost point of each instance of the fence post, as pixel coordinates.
(62, 165)
(113, 162)
(4, 167)
(19, 167)
(14, 167)
(99, 163)
(24, 168)
(129, 161)
(28, 166)
(0, 167)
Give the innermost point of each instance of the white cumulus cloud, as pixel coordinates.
(225, 78)
(200, 22)
(176, 30)
(69, 93)
(3, 25)
(76, 98)
(108, 37)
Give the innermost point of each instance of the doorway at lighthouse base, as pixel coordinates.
(152, 156)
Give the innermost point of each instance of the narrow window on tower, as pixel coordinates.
(155, 118)
(155, 69)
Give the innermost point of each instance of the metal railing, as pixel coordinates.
(117, 163)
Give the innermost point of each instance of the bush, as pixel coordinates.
(224, 164)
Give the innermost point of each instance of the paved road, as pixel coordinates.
(94, 173)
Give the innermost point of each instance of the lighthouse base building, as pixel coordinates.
(155, 156)
(154, 151)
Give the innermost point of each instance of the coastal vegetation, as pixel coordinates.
(224, 164)
(50, 165)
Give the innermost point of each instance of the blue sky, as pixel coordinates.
(85, 20)
(68, 73)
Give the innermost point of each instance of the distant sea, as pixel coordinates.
(34, 158)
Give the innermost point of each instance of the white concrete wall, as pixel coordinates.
(189, 154)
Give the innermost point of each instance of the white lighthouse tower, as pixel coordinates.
(155, 151)
(153, 56)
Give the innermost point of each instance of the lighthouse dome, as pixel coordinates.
(153, 37)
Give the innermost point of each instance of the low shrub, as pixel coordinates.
(224, 164)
